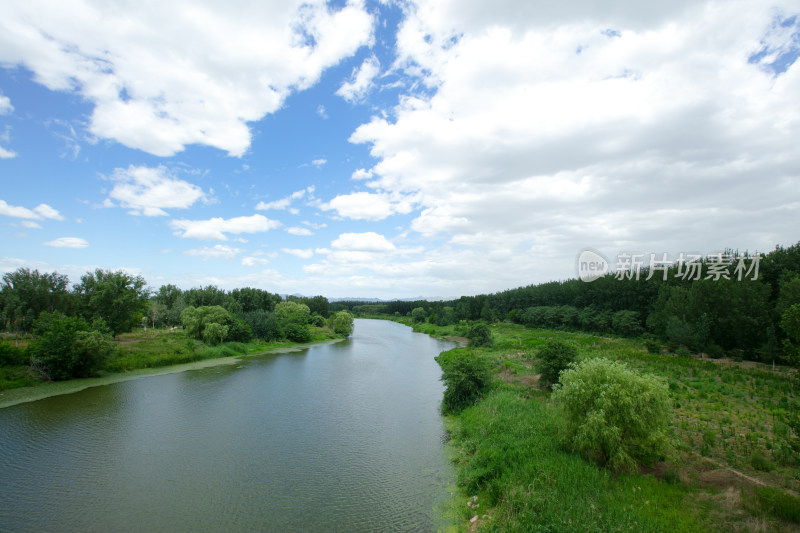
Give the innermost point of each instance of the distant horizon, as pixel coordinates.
(392, 148)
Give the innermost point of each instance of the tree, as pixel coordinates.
(480, 335)
(554, 357)
(342, 323)
(466, 377)
(119, 298)
(66, 347)
(26, 293)
(264, 325)
(613, 415)
(418, 315)
(196, 319)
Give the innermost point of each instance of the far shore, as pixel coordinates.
(57, 388)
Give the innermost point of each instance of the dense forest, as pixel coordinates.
(730, 304)
(70, 331)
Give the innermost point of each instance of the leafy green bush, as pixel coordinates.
(239, 331)
(613, 415)
(342, 323)
(297, 332)
(12, 355)
(480, 335)
(66, 347)
(466, 377)
(761, 463)
(554, 357)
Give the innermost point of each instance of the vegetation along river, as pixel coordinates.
(338, 437)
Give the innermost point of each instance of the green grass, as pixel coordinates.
(726, 414)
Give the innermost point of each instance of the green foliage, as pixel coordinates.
(466, 377)
(418, 314)
(613, 415)
(238, 331)
(119, 298)
(12, 355)
(27, 293)
(778, 503)
(264, 325)
(480, 335)
(296, 332)
(196, 319)
(554, 357)
(67, 348)
(214, 333)
(342, 323)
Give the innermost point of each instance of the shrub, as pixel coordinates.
(12, 355)
(612, 415)
(554, 357)
(67, 348)
(239, 331)
(342, 323)
(480, 335)
(297, 332)
(466, 377)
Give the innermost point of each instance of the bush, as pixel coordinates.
(480, 335)
(466, 377)
(12, 355)
(239, 331)
(67, 348)
(612, 415)
(342, 323)
(297, 332)
(554, 357)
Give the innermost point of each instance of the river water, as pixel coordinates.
(339, 437)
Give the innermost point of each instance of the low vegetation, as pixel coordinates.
(109, 322)
(707, 445)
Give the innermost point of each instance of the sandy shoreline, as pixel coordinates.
(46, 390)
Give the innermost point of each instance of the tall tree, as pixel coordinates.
(117, 297)
(27, 293)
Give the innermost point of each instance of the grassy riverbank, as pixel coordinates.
(146, 353)
(731, 468)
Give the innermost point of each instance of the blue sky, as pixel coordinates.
(392, 148)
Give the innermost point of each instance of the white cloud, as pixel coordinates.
(301, 253)
(362, 174)
(321, 111)
(7, 154)
(319, 162)
(361, 81)
(368, 206)
(362, 242)
(30, 224)
(215, 229)
(251, 261)
(148, 191)
(67, 242)
(299, 231)
(5, 105)
(156, 86)
(218, 251)
(284, 203)
(40, 212)
(538, 132)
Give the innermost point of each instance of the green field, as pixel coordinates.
(731, 468)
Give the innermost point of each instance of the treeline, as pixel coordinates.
(741, 305)
(72, 329)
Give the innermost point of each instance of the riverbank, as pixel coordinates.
(732, 465)
(56, 388)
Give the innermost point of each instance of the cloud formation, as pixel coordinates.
(361, 80)
(216, 229)
(40, 212)
(204, 90)
(536, 130)
(67, 242)
(148, 191)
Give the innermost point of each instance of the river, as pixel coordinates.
(338, 437)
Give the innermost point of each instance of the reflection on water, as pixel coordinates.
(340, 437)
